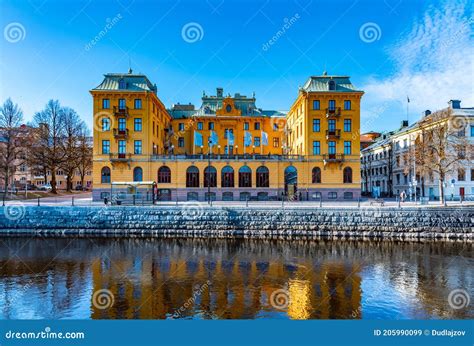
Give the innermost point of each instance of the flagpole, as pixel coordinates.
(408, 102)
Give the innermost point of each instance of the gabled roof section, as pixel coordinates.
(126, 82)
(322, 84)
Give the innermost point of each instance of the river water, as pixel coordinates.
(159, 278)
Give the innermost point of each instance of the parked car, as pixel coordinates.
(45, 187)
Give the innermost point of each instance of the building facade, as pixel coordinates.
(228, 148)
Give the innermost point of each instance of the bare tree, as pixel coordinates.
(84, 159)
(50, 144)
(442, 147)
(11, 117)
(72, 128)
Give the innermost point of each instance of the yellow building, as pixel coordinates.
(228, 148)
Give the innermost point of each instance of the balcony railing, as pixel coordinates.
(327, 158)
(234, 157)
(333, 134)
(121, 112)
(121, 134)
(120, 157)
(333, 112)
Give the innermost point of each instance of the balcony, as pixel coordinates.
(333, 134)
(121, 134)
(333, 112)
(121, 112)
(333, 158)
(120, 157)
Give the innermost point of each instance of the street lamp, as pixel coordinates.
(253, 149)
(218, 150)
(236, 150)
(202, 148)
(208, 173)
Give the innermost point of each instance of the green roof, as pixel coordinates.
(321, 84)
(127, 82)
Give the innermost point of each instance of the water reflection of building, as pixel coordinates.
(238, 289)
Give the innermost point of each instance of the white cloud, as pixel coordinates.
(433, 63)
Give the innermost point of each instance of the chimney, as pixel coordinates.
(219, 92)
(427, 112)
(404, 123)
(454, 104)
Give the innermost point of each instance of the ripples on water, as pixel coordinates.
(56, 278)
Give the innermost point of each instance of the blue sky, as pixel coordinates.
(421, 49)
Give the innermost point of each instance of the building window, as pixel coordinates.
(263, 177)
(245, 177)
(246, 126)
(332, 148)
(122, 147)
(461, 174)
(181, 142)
(332, 195)
(332, 105)
(348, 195)
(192, 177)
(210, 177)
(227, 177)
(105, 103)
(316, 125)
(105, 124)
(316, 148)
(398, 179)
(347, 125)
(227, 196)
(227, 131)
(164, 175)
(105, 147)
(332, 85)
(137, 124)
(192, 196)
(256, 141)
(316, 175)
(472, 174)
(122, 104)
(347, 148)
(472, 130)
(316, 105)
(210, 125)
(105, 175)
(137, 147)
(137, 174)
(347, 105)
(138, 104)
(181, 127)
(332, 125)
(256, 126)
(199, 125)
(347, 175)
(122, 124)
(122, 84)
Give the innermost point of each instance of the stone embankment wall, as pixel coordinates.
(198, 220)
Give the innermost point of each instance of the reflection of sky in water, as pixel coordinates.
(155, 278)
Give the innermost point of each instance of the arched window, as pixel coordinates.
(137, 174)
(164, 175)
(227, 177)
(347, 175)
(210, 177)
(105, 175)
(331, 85)
(316, 175)
(263, 177)
(245, 176)
(192, 177)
